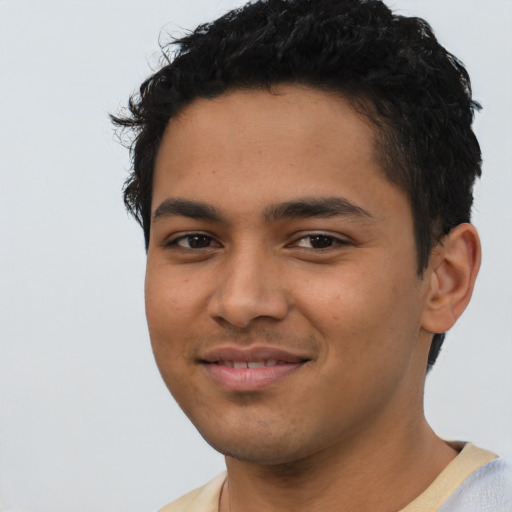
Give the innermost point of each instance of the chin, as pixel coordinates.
(269, 448)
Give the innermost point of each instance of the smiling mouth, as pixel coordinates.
(242, 376)
(240, 365)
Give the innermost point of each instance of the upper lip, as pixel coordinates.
(251, 353)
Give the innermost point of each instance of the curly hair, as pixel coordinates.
(391, 68)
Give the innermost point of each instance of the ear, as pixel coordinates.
(452, 271)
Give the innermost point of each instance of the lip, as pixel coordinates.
(217, 363)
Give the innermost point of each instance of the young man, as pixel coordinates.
(303, 173)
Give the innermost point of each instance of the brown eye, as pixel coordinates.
(319, 241)
(196, 241)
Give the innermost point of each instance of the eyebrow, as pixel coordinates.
(315, 207)
(298, 208)
(187, 208)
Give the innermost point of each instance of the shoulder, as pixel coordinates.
(466, 482)
(202, 499)
(488, 489)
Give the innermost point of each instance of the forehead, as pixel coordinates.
(262, 146)
(287, 115)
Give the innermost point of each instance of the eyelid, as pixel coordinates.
(171, 241)
(340, 240)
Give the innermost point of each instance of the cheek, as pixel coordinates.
(169, 298)
(171, 321)
(165, 317)
(166, 313)
(360, 307)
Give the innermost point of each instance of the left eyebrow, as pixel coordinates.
(315, 207)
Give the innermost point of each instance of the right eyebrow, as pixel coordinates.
(186, 208)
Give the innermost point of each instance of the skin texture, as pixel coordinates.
(339, 292)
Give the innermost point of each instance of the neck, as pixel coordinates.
(355, 475)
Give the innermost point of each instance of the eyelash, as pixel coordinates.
(175, 241)
(332, 240)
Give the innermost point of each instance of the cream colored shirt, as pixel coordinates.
(443, 494)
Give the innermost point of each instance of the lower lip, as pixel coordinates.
(249, 379)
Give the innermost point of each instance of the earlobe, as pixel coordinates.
(454, 265)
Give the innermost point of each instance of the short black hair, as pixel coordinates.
(391, 68)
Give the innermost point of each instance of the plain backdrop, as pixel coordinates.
(86, 424)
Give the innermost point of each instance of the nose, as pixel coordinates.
(248, 288)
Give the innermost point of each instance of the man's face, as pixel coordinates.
(282, 294)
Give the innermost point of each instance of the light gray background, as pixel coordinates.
(85, 421)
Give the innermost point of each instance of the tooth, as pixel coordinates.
(237, 365)
(270, 362)
(256, 364)
(226, 363)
